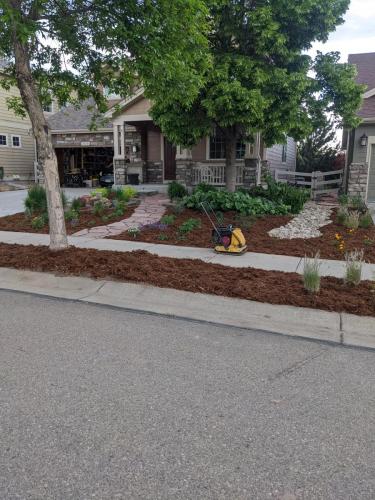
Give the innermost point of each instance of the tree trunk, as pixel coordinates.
(46, 153)
(230, 162)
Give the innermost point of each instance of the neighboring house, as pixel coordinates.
(17, 145)
(360, 142)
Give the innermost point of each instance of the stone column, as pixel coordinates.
(358, 180)
(250, 172)
(184, 164)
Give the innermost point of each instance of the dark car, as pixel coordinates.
(106, 180)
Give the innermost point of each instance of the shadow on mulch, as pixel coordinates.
(258, 239)
(192, 275)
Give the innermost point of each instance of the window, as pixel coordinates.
(47, 107)
(3, 140)
(217, 147)
(283, 154)
(16, 141)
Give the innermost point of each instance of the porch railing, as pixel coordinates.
(214, 175)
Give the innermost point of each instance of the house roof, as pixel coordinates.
(122, 104)
(365, 64)
(71, 118)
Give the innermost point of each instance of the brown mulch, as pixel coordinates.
(258, 239)
(20, 223)
(192, 275)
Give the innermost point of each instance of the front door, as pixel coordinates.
(169, 161)
(371, 180)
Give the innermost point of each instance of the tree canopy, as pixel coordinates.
(262, 79)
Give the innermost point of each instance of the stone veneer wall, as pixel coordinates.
(87, 140)
(358, 180)
(250, 172)
(184, 172)
(154, 172)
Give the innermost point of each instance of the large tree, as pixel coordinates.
(262, 80)
(69, 48)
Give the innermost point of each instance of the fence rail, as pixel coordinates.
(214, 175)
(318, 182)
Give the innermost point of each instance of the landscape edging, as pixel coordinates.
(338, 328)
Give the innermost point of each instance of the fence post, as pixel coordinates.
(314, 185)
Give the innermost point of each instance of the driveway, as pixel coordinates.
(11, 202)
(102, 403)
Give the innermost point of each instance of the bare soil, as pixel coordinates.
(256, 234)
(192, 275)
(21, 223)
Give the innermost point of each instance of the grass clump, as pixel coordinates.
(189, 225)
(365, 221)
(39, 221)
(168, 219)
(163, 237)
(134, 232)
(36, 200)
(353, 267)
(176, 190)
(311, 274)
(71, 215)
(98, 209)
(352, 220)
(342, 214)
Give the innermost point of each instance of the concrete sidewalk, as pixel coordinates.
(314, 324)
(268, 262)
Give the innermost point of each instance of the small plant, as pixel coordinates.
(352, 220)
(36, 200)
(168, 219)
(71, 215)
(134, 232)
(178, 207)
(189, 225)
(343, 200)
(91, 223)
(342, 215)
(39, 222)
(353, 264)
(163, 237)
(105, 218)
(358, 204)
(98, 208)
(365, 221)
(103, 192)
(311, 274)
(176, 190)
(77, 204)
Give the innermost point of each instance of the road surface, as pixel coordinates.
(102, 403)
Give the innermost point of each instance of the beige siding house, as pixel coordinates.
(17, 145)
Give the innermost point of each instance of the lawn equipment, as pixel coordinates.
(227, 239)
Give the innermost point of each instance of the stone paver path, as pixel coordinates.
(149, 211)
(306, 224)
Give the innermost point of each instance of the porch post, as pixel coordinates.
(251, 172)
(184, 165)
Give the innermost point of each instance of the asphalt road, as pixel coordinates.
(102, 403)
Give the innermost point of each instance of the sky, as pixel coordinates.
(357, 35)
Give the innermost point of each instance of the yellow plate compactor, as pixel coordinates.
(227, 239)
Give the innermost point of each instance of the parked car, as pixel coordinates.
(107, 180)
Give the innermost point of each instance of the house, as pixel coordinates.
(360, 142)
(17, 143)
(128, 143)
(142, 152)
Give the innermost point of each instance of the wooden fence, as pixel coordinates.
(318, 182)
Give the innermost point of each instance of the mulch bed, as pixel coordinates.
(258, 239)
(192, 275)
(20, 223)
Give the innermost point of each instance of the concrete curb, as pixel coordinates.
(344, 329)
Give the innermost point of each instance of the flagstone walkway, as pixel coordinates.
(149, 211)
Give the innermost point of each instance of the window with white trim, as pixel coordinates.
(3, 140)
(217, 147)
(16, 141)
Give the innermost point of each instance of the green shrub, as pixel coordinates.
(168, 219)
(71, 215)
(240, 202)
(104, 192)
(353, 267)
(352, 220)
(176, 190)
(342, 214)
(39, 222)
(98, 208)
(134, 231)
(344, 200)
(204, 188)
(36, 200)
(120, 207)
(129, 192)
(311, 274)
(189, 225)
(178, 207)
(77, 204)
(358, 204)
(365, 221)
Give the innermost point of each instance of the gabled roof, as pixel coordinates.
(138, 94)
(72, 119)
(365, 64)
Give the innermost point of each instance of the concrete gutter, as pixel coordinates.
(344, 329)
(267, 262)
